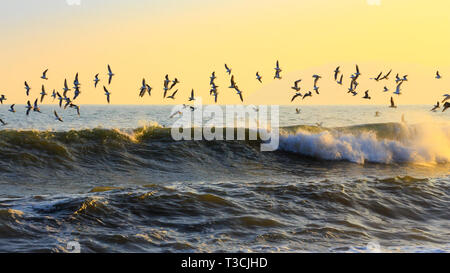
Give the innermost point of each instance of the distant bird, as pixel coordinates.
(397, 90)
(309, 94)
(212, 78)
(239, 92)
(336, 73)
(57, 117)
(232, 82)
(298, 94)
(36, 107)
(60, 98)
(110, 74)
(77, 92)
(11, 109)
(377, 114)
(76, 107)
(191, 98)
(2, 98)
(76, 83)
(173, 95)
(213, 89)
(437, 75)
(366, 96)
(174, 82)
(43, 93)
(228, 69)
(447, 97)
(277, 71)
(386, 77)
(357, 73)
(143, 88)
(385, 89)
(166, 85)
(149, 90)
(446, 106)
(377, 78)
(437, 106)
(296, 87)
(68, 102)
(392, 103)
(66, 88)
(53, 94)
(316, 88)
(397, 78)
(216, 94)
(27, 88)
(297, 111)
(44, 75)
(405, 79)
(96, 80)
(316, 79)
(3, 123)
(107, 93)
(340, 81)
(258, 77)
(28, 107)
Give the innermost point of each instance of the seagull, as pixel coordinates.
(340, 81)
(316, 79)
(107, 93)
(377, 114)
(213, 77)
(298, 94)
(43, 93)
(173, 95)
(2, 98)
(397, 78)
(296, 87)
(110, 74)
(239, 92)
(277, 71)
(336, 72)
(366, 96)
(213, 89)
(149, 90)
(174, 82)
(27, 88)
(404, 78)
(356, 75)
(316, 88)
(76, 83)
(435, 107)
(258, 77)
(437, 75)
(28, 107)
(233, 83)
(57, 117)
(228, 69)
(77, 92)
(11, 109)
(447, 97)
(76, 107)
(297, 111)
(68, 102)
(446, 105)
(166, 84)
(392, 103)
(191, 98)
(54, 94)
(44, 75)
(377, 78)
(397, 90)
(143, 88)
(354, 93)
(386, 89)
(215, 96)
(96, 80)
(386, 77)
(60, 98)
(36, 107)
(3, 123)
(309, 94)
(66, 88)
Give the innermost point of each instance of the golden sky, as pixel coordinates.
(189, 39)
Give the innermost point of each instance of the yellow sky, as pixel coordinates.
(190, 39)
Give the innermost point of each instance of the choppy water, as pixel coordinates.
(113, 184)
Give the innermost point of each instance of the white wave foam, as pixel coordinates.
(424, 144)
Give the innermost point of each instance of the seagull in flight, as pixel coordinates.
(43, 93)
(377, 78)
(174, 82)
(397, 90)
(233, 83)
(228, 69)
(340, 81)
(336, 73)
(76, 107)
(60, 98)
(107, 93)
(296, 87)
(437, 106)
(446, 106)
(3, 123)
(53, 94)
(215, 96)
(297, 111)
(447, 97)
(166, 84)
(36, 107)
(96, 80)
(366, 96)
(44, 75)
(298, 94)
(143, 88)
(66, 88)
(76, 83)
(239, 92)
(28, 107)
(77, 92)
(386, 77)
(437, 75)
(258, 77)
(392, 103)
(191, 98)
(2, 98)
(173, 95)
(277, 71)
(11, 109)
(110, 74)
(385, 89)
(27, 88)
(56, 116)
(309, 94)
(212, 78)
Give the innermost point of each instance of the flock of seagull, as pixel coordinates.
(169, 85)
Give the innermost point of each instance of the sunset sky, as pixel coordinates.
(189, 39)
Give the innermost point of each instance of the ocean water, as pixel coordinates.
(114, 180)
